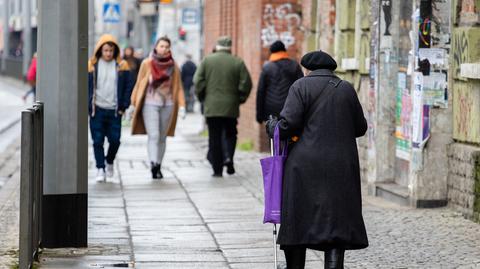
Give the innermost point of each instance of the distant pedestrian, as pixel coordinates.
(133, 62)
(322, 202)
(158, 98)
(275, 80)
(109, 88)
(32, 78)
(188, 70)
(222, 82)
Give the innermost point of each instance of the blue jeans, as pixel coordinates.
(105, 123)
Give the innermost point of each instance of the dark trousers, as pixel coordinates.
(295, 256)
(33, 91)
(105, 123)
(189, 98)
(222, 140)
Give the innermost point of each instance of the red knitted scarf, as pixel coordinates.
(162, 67)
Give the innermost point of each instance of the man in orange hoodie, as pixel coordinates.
(109, 88)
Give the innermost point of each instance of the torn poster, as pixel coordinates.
(434, 88)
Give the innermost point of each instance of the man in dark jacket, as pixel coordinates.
(275, 80)
(222, 82)
(109, 89)
(188, 70)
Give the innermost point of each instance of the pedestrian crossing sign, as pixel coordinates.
(111, 12)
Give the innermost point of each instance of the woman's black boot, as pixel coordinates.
(155, 168)
(159, 173)
(334, 258)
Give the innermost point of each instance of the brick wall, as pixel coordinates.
(243, 20)
(463, 179)
(326, 17)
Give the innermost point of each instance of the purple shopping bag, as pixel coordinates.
(272, 169)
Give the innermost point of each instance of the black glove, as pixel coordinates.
(259, 120)
(270, 126)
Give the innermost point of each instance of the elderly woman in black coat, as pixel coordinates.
(322, 203)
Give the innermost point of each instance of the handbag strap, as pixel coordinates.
(332, 83)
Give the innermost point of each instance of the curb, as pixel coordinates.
(9, 125)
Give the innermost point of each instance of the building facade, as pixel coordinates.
(254, 25)
(18, 20)
(415, 65)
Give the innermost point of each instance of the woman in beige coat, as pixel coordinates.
(157, 98)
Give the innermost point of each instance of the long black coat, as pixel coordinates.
(322, 204)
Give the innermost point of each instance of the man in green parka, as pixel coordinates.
(222, 83)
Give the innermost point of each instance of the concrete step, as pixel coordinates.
(393, 192)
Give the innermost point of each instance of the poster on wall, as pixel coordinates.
(403, 112)
(434, 89)
(425, 24)
(419, 118)
(435, 56)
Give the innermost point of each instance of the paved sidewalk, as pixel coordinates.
(191, 220)
(9, 203)
(11, 91)
(12, 104)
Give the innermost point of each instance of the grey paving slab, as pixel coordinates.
(183, 265)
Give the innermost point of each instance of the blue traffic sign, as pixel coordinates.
(190, 16)
(111, 12)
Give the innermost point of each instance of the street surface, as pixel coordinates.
(10, 113)
(191, 220)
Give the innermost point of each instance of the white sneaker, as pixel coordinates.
(110, 170)
(101, 175)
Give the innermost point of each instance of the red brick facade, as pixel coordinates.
(244, 21)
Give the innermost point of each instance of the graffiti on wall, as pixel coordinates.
(441, 18)
(466, 111)
(465, 107)
(460, 51)
(387, 15)
(280, 22)
(425, 24)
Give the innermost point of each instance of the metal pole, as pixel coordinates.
(274, 225)
(91, 26)
(275, 246)
(61, 85)
(39, 178)
(26, 169)
(6, 34)
(27, 35)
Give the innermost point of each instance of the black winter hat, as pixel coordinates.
(318, 60)
(277, 46)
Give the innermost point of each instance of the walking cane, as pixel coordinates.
(275, 265)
